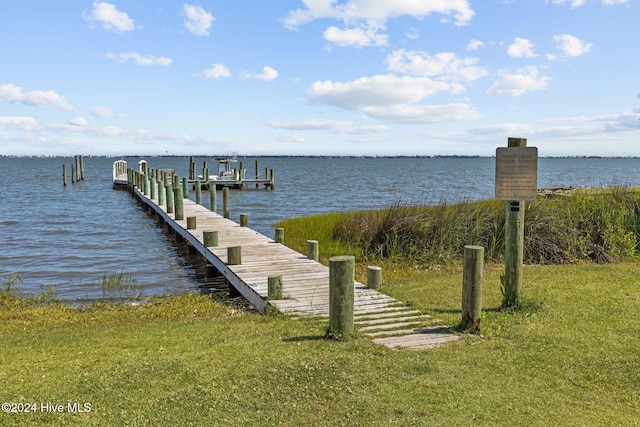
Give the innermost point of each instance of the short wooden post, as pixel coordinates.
(178, 202)
(198, 192)
(341, 298)
(244, 220)
(234, 255)
(169, 194)
(185, 187)
(213, 202)
(313, 252)
(513, 243)
(374, 277)
(225, 202)
(191, 222)
(472, 288)
(274, 290)
(210, 238)
(64, 175)
(273, 179)
(279, 235)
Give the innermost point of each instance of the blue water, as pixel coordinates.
(70, 238)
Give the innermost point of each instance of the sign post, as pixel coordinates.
(516, 181)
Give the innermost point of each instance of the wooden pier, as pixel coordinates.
(305, 282)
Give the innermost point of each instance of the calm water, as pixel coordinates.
(71, 238)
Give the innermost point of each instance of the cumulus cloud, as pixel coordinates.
(139, 59)
(198, 21)
(268, 74)
(110, 18)
(37, 98)
(527, 79)
(78, 121)
(337, 126)
(573, 3)
(364, 18)
(412, 113)
(521, 48)
(571, 46)
(216, 71)
(100, 111)
(28, 124)
(474, 45)
(444, 65)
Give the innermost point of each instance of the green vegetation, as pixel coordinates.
(121, 284)
(569, 355)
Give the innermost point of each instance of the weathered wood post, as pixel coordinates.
(64, 175)
(210, 238)
(161, 192)
(152, 187)
(274, 287)
(313, 252)
(192, 168)
(178, 203)
(273, 179)
(279, 236)
(81, 168)
(514, 243)
(244, 220)
(341, 296)
(169, 194)
(374, 277)
(185, 187)
(213, 202)
(198, 192)
(73, 178)
(145, 185)
(225, 202)
(191, 223)
(257, 175)
(472, 288)
(234, 255)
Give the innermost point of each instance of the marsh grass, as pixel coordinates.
(12, 295)
(121, 285)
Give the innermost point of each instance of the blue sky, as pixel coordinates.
(319, 77)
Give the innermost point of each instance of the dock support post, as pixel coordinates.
(64, 175)
(313, 252)
(273, 179)
(191, 223)
(213, 203)
(244, 220)
(152, 187)
(81, 168)
(472, 288)
(179, 203)
(234, 255)
(341, 296)
(210, 238)
(274, 284)
(161, 192)
(279, 236)
(72, 174)
(198, 192)
(169, 193)
(185, 187)
(257, 175)
(374, 277)
(225, 202)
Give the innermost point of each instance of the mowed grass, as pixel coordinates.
(569, 356)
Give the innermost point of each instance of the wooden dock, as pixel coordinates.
(305, 282)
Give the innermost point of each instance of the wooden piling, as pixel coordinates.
(472, 288)
(198, 192)
(225, 202)
(191, 223)
(152, 187)
(64, 175)
(210, 238)
(178, 202)
(341, 296)
(213, 197)
(161, 192)
(234, 255)
(169, 194)
(73, 178)
(374, 277)
(257, 175)
(279, 235)
(185, 187)
(313, 253)
(274, 290)
(244, 220)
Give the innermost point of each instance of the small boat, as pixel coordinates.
(120, 177)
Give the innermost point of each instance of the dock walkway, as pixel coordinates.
(305, 282)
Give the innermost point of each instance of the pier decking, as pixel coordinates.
(305, 282)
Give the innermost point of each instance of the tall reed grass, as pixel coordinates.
(599, 226)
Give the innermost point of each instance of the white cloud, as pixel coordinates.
(217, 71)
(110, 17)
(423, 113)
(525, 80)
(78, 121)
(37, 98)
(100, 111)
(445, 65)
(288, 138)
(139, 59)
(268, 74)
(356, 37)
(337, 126)
(571, 46)
(574, 3)
(521, 48)
(28, 124)
(474, 45)
(198, 21)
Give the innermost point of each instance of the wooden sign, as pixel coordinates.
(516, 173)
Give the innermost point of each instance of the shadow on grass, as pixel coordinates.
(306, 338)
